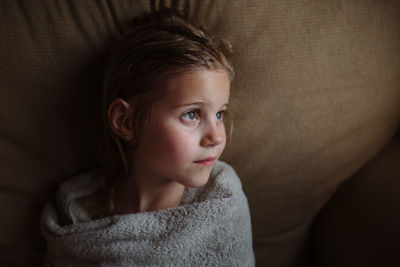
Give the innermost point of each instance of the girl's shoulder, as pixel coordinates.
(81, 198)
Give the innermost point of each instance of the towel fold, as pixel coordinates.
(211, 227)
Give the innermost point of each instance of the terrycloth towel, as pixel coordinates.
(211, 227)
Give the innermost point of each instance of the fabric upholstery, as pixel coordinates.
(315, 96)
(360, 225)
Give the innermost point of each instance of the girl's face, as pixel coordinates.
(186, 134)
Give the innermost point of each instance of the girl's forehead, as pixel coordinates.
(199, 85)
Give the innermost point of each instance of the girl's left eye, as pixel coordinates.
(220, 115)
(191, 115)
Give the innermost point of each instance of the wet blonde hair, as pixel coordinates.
(159, 45)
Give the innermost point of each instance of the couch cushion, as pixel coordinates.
(315, 97)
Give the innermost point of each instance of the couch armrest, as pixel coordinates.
(360, 225)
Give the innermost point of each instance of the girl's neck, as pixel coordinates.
(140, 194)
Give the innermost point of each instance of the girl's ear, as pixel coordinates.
(120, 118)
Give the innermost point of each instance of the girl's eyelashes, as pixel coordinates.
(191, 115)
(194, 115)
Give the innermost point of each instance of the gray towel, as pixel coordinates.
(211, 227)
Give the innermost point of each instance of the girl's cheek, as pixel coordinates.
(181, 143)
(223, 134)
(172, 139)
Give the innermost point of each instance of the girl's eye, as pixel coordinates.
(220, 115)
(191, 115)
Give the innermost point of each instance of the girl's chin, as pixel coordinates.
(196, 182)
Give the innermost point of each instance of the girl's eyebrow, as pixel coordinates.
(192, 103)
(226, 105)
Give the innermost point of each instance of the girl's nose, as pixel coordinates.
(214, 136)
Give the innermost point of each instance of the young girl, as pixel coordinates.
(162, 197)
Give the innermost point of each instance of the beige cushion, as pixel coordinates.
(316, 96)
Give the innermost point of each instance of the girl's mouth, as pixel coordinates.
(207, 161)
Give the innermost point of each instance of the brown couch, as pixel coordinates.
(316, 104)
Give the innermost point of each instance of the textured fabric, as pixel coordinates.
(360, 225)
(316, 95)
(211, 227)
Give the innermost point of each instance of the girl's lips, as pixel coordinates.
(206, 161)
